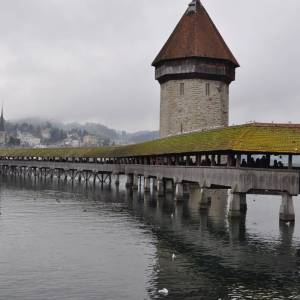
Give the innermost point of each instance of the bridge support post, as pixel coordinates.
(129, 180)
(87, 177)
(117, 181)
(199, 195)
(287, 212)
(186, 189)
(243, 203)
(169, 186)
(146, 184)
(154, 184)
(235, 200)
(160, 187)
(135, 184)
(195, 195)
(179, 191)
(203, 200)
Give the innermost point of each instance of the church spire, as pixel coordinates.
(2, 125)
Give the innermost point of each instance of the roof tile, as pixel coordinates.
(195, 36)
(248, 138)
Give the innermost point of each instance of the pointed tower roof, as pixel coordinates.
(2, 125)
(195, 36)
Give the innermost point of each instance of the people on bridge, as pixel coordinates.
(244, 163)
(261, 162)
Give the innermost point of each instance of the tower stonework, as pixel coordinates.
(194, 109)
(194, 68)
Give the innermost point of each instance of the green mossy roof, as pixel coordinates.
(254, 138)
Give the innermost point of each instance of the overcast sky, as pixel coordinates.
(90, 60)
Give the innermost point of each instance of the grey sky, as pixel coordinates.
(90, 60)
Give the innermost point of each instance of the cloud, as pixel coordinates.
(74, 60)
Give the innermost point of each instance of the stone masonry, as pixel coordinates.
(193, 104)
(194, 68)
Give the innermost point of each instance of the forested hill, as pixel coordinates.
(59, 131)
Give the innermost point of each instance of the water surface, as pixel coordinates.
(59, 241)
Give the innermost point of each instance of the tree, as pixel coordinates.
(14, 141)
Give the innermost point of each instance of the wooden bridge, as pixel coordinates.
(218, 159)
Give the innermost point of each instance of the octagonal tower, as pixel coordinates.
(194, 68)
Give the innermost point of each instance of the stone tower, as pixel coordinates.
(194, 68)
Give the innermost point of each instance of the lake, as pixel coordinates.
(64, 241)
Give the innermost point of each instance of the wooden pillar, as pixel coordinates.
(146, 184)
(117, 181)
(238, 161)
(129, 181)
(268, 157)
(229, 160)
(290, 164)
(213, 160)
(160, 187)
(154, 184)
(248, 159)
(135, 184)
(206, 157)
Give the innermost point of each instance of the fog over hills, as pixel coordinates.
(115, 136)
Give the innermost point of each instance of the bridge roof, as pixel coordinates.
(249, 138)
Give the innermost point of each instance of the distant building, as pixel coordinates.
(91, 140)
(46, 133)
(28, 140)
(4, 138)
(194, 68)
(72, 142)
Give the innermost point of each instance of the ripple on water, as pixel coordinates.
(64, 242)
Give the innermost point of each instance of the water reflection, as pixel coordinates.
(215, 258)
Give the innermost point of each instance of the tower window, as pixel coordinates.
(207, 89)
(181, 89)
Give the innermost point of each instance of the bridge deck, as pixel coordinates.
(241, 180)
